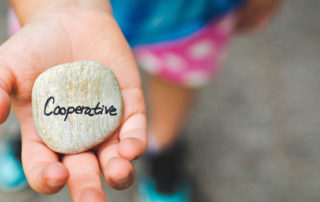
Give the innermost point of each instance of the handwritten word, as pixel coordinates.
(85, 110)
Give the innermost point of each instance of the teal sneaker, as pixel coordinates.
(148, 192)
(166, 181)
(12, 177)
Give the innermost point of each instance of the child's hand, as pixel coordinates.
(256, 14)
(58, 36)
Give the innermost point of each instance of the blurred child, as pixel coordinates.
(180, 43)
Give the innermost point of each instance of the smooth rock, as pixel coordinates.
(76, 106)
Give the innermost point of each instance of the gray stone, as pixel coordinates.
(76, 106)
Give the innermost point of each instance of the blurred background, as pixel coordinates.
(254, 134)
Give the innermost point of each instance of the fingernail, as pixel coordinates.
(55, 183)
(124, 182)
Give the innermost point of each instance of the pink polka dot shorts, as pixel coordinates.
(191, 61)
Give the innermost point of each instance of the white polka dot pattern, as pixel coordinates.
(174, 62)
(201, 49)
(150, 63)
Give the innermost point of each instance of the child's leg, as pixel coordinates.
(168, 106)
(178, 68)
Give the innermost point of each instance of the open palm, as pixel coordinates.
(60, 37)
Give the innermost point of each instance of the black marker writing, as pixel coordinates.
(86, 110)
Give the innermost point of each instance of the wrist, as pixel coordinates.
(27, 10)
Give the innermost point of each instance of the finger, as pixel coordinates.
(133, 137)
(84, 182)
(118, 172)
(4, 106)
(6, 82)
(43, 170)
(133, 133)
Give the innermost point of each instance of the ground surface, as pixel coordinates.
(254, 132)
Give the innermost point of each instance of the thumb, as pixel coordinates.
(6, 83)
